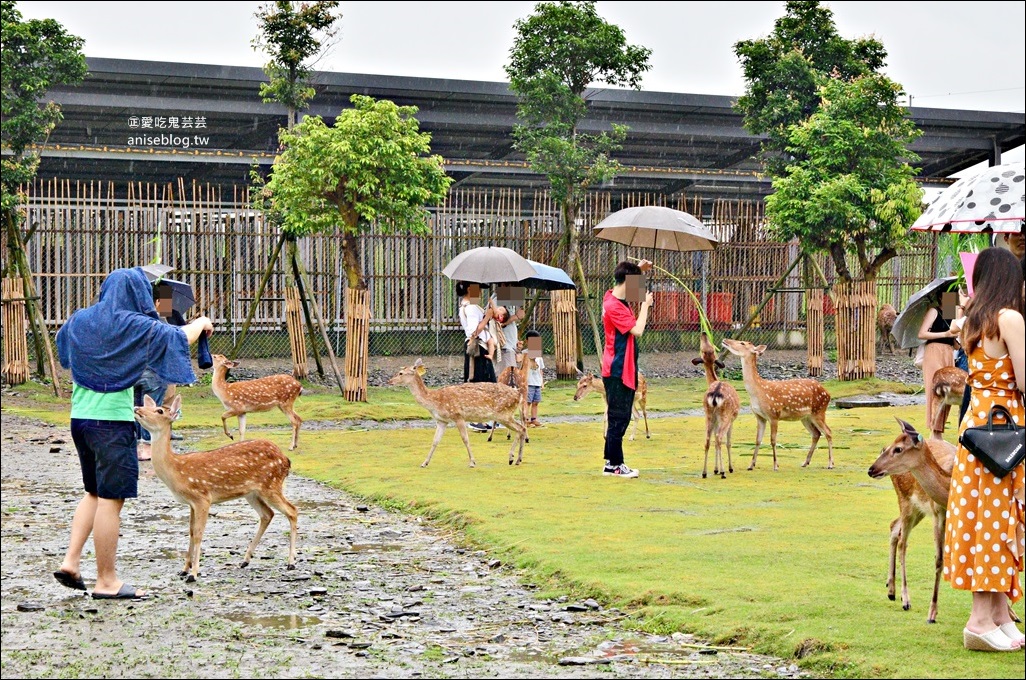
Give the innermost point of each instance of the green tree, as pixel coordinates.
(293, 34)
(558, 52)
(373, 166)
(35, 55)
(850, 189)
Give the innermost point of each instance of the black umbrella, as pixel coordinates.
(182, 297)
(547, 278)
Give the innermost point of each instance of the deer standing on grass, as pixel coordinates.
(254, 396)
(589, 382)
(801, 399)
(920, 470)
(721, 404)
(515, 377)
(884, 323)
(456, 404)
(254, 470)
(948, 387)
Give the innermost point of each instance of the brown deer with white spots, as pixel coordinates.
(721, 404)
(515, 377)
(920, 470)
(885, 323)
(801, 399)
(948, 387)
(457, 404)
(254, 396)
(254, 470)
(589, 382)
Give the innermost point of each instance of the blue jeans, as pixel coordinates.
(149, 384)
(106, 452)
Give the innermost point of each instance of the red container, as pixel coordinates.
(721, 309)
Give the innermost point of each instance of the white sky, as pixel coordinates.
(955, 55)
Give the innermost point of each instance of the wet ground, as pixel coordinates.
(375, 594)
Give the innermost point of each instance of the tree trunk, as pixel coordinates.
(357, 321)
(856, 305)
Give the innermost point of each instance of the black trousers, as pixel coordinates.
(484, 369)
(620, 399)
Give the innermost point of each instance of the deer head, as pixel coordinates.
(157, 418)
(708, 354)
(903, 455)
(221, 360)
(408, 375)
(584, 384)
(743, 348)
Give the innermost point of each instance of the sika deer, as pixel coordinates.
(515, 377)
(885, 323)
(456, 404)
(254, 470)
(920, 470)
(589, 382)
(721, 404)
(801, 399)
(948, 387)
(253, 396)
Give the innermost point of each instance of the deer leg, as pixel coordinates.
(708, 434)
(773, 441)
(605, 419)
(439, 429)
(814, 431)
(644, 414)
(296, 421)
(634, 431)
(521, 431)
(759, 431)
(730, 433)
(197, 524)
(461, 425)
(188, 553)
(242, 427)
(938, 538)
(224, 422)
(278, 501)
(828, 433)
(892, 560)
(265, 514)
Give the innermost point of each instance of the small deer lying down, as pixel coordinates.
(589, 382)
(253, 396)
(457, 404)
(920, 470)
(254, 470)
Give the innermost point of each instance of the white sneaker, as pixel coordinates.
(620, 470)
(478, 427)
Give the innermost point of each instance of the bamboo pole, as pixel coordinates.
(256, 299)
(304, 288)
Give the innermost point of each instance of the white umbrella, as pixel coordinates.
(987, 201)
(653, 226)
(489, 264)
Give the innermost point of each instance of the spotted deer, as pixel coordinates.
(254, 470)
(885, 323)
(721, 404)
(254, 396)
(589, 382)
(920, 471)
(515, 377)
(801, 399)
(457, 404)
(948, 387)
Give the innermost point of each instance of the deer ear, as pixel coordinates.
(420, 369)
(910, 430)
(176, 404)
(695, 362)
(148, 401)
(418, 362)
(720, 364)
(759, 350)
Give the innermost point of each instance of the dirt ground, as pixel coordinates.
(375, 594)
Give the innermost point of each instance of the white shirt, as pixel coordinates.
(470, 317)
(534, 374)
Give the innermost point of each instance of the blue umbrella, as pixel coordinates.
(547, 278)
(182, 297)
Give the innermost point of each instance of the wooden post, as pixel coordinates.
(814, 330)
(15, 359)
(564, 331)
(357, 343)
(297, 340)
(856, 329)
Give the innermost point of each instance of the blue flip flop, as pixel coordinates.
(69, 580)
(127, 592)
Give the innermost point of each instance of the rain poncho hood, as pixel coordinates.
(108, 344)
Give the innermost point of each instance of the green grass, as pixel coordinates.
(791, 563)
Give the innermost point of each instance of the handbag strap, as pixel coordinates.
(1009, 423)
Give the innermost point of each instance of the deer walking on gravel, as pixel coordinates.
(920, 470)
(885, 323)
(457, 404)
(801, 399)
(721, 404)
(589, 382)
(254, 470)
(948, 387)
(254, 396)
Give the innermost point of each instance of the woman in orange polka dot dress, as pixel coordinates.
(983, 541)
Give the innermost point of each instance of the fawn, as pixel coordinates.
(884, 323)
(721, 404)
(801, 399)
(589, 382)
(456, 404)
(920, 470)
(948, 386)
(253, 396)
(254, 470)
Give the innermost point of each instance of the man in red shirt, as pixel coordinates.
(620, 357)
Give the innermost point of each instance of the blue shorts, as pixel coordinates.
(534, 394)
(106, 452)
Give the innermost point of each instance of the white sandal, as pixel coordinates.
(1013, 633)
(993, 641)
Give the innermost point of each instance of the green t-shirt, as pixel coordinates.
(89, 405)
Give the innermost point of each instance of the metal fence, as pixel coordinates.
(217, 243)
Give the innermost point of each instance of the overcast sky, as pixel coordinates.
(957, 55)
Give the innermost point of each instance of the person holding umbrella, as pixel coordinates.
(150, 383)
(620, 357)
(938, 350)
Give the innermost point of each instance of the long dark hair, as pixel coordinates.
(997, 285)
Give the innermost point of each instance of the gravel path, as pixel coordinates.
(375, 594)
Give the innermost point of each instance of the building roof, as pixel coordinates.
(688, 143)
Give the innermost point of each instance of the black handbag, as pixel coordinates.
(999, 447)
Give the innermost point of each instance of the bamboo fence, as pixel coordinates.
(15, 343)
